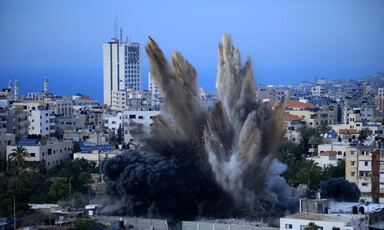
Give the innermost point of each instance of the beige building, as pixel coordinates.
(52, 152)
(311, 114)
(123, 100)
(359, 167)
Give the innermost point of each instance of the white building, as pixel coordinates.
(41, 121)
(155, 90)
(52, 152)
(299, 221)
(122, 67)
(131, 122)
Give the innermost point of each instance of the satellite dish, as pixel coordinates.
(321, 135)
(325, 135)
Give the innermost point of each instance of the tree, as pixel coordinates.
(309, 169)
(120, 135)
(365, 133)
(58, 134)
(324, 127)
(312, 226)
(18, 156)
(76, 147)
(15, 178)
(59, 189)
(308, 133)
(290, 154)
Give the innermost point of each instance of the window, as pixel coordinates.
(366, 163)
(288, 226)
(352, 152)
(132, 116)
(33, 154)
(352, 173)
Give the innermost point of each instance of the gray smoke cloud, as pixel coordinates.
(212, 163)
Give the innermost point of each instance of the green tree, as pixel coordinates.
(365, 133)
(307, 134)
(310, 169)
(58, 134)
(59, 189)
(290, 154)
(324, 127)
(18, 156)
(120, 135)
(15, 178)
(312, 226)
(76, 147)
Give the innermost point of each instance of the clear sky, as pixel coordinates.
(288, 41)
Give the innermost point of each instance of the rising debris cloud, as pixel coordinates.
(211, 163)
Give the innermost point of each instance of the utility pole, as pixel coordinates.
(70, 192)
(14, 212)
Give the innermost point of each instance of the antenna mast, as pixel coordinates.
(115, 27)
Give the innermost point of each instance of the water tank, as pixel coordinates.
(354, 210)
(361, 209)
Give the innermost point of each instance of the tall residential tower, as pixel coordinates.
(122, 67)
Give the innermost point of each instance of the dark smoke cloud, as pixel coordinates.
(340, 190)
(210, 163)
(163, 187)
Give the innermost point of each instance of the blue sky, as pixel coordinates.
(288, 41)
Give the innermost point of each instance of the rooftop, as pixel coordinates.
(325, 217)
(292, 104)
(290, 117)
(348, 131)
(328, 153)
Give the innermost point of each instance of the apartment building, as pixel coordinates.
(312, 115)
(51, 152)
(360, 168)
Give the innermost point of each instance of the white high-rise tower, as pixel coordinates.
(122, 67)
(46, 84)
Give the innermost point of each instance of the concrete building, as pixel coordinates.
(5, 139)
(52, 152)
(41, 121)
(155, 90)
(312, 115)
(81, 101)
(359, 168)
(122, 67)
(325, 159)
(129, 99)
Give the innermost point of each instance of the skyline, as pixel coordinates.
(288, 41)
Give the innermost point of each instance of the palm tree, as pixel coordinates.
(312, 226)
(324, 127)
(364, 133)
(15, 178)
(310, 168)
(18, 156)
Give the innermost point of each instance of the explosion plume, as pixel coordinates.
(212, 163)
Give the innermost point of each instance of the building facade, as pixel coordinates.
(122, 67)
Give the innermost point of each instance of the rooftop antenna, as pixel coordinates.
(126, 38)
(115, 27)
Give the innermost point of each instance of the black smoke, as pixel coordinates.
(340, 190)
(164, 187)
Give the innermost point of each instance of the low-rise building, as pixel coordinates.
(50, 152)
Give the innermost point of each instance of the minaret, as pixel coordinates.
(46, 84)
(16, 90)
(10, 85)
(10, 89)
